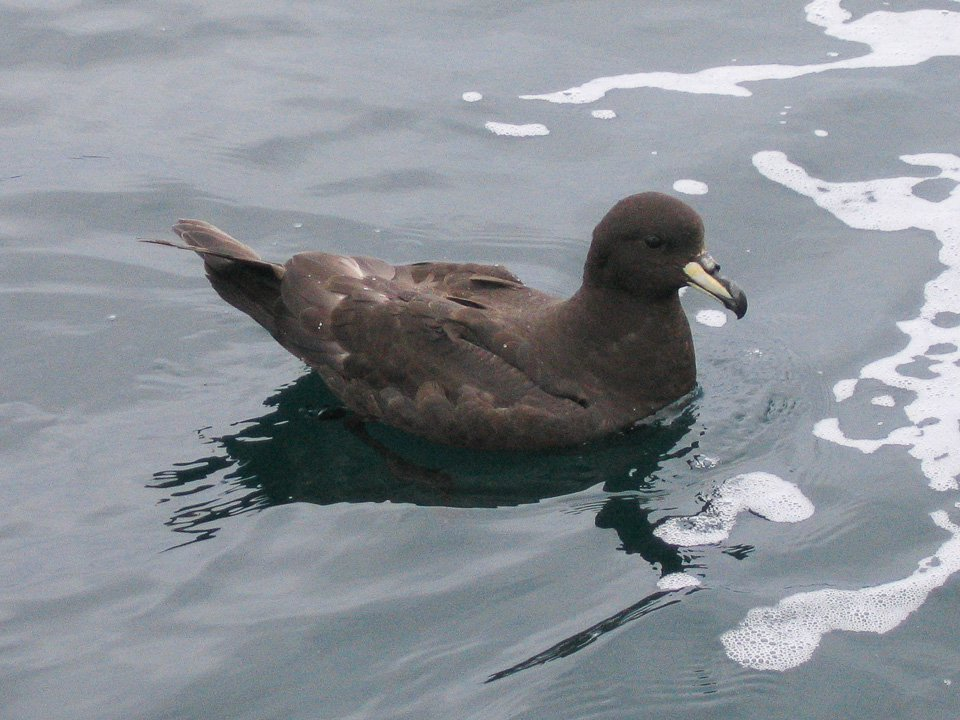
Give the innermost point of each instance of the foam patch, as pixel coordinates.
(895, 39)
(678, 581)
(690, 187)
(711, 318)
(766, 495)
(530, 130)
(786, 635)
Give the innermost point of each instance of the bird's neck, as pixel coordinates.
(641, 343)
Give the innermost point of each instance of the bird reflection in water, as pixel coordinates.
(303, 450)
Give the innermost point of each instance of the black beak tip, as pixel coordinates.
(738, 303)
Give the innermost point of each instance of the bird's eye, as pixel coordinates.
(653, 241)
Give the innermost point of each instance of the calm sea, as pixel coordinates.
(186, 533)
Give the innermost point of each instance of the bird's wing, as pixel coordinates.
(393, 348)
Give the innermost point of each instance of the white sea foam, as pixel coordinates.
(766, 495)
(691, 187)
(529, 130)
(932, 429)
(895, 39)
(711, 318)
(783, 636)
(786, 635)
(678, 581)
(472, 97)
(820, 133)
(844, 389)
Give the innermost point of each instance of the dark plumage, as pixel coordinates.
(468, 355)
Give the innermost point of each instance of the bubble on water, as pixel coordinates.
(711, 318)
(702, 462)
(604, 114)
(529, 130)
(820, 133)
(472, 97)
(690, 187)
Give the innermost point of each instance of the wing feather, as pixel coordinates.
(392, 344)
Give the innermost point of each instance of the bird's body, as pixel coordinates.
(468, 355)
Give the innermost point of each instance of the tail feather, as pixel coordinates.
(219, 250)
(237, 273)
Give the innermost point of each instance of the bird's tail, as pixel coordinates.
(236, 272)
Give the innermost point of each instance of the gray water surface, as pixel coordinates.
(185, 533)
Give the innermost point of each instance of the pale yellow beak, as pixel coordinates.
(704, 275)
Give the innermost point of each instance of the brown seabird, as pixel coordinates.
(466, 354)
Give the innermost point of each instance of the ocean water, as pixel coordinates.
(187, 530)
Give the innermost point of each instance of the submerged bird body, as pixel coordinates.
(466, 354)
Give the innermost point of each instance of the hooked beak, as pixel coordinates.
(703, 273)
